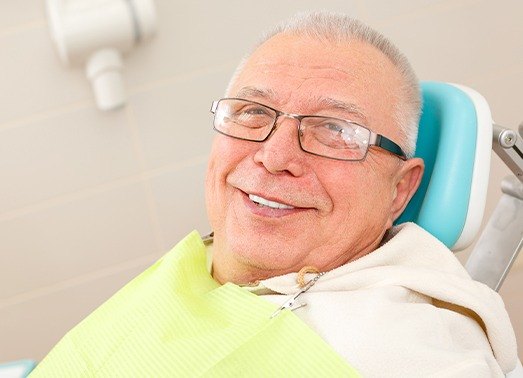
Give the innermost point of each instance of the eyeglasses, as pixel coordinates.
(323, 136)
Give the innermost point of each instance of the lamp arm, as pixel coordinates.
(508, 145)
(502, 238)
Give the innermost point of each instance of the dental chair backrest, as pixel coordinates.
(455, 141)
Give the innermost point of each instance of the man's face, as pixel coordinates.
(335, 211)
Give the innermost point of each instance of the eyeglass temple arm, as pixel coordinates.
(389, 145)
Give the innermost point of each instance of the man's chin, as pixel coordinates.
(264, 256)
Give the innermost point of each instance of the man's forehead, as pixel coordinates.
(290, 48)
(270, 96)
(298, 74)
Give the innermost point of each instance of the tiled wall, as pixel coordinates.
(89, 199)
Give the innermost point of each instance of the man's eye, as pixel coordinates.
(338, 130)
(338, 135)
(255, 110)
(335, 128)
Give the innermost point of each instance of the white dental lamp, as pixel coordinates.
(96, 33)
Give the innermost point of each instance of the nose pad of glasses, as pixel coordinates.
(277, 125)
(281, 119)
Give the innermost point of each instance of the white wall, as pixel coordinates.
(89, 199)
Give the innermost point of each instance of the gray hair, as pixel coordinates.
(338, 28)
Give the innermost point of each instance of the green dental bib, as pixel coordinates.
(174, 320)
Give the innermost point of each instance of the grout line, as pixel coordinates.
(79, 280)
(67, 198)
(502, 73)
(89, 104)
(170, 80)
(101, 188)
(26, 26)
(46, 114)
(149, 196)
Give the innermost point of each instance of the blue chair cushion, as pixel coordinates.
(447, 144)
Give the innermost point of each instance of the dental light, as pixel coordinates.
(97, 33)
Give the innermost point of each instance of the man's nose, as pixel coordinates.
(281, 152)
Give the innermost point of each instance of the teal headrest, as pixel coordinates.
(447, 144)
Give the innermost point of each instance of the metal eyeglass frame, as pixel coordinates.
(375, 139)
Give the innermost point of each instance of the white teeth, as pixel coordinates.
(266, 202)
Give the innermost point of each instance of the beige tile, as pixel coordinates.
(33, 78)
(63, 154)
(173, 122)
(461, 43)
(197, 34)
(30, 329)
(379, 11)
(503, 93)
(180, 201)
(21, 12)
(74, 238)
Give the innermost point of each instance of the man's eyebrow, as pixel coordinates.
(247, 92)
(353, 109)
(326, 103)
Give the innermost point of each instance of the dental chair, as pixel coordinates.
(16, 369)
(456, 135)
(455, 140)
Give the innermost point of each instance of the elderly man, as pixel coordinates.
(311, 166)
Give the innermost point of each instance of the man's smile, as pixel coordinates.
(265, 202)
(260, 206)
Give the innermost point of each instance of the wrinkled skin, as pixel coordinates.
(341, 209)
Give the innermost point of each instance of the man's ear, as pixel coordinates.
(407, 182)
